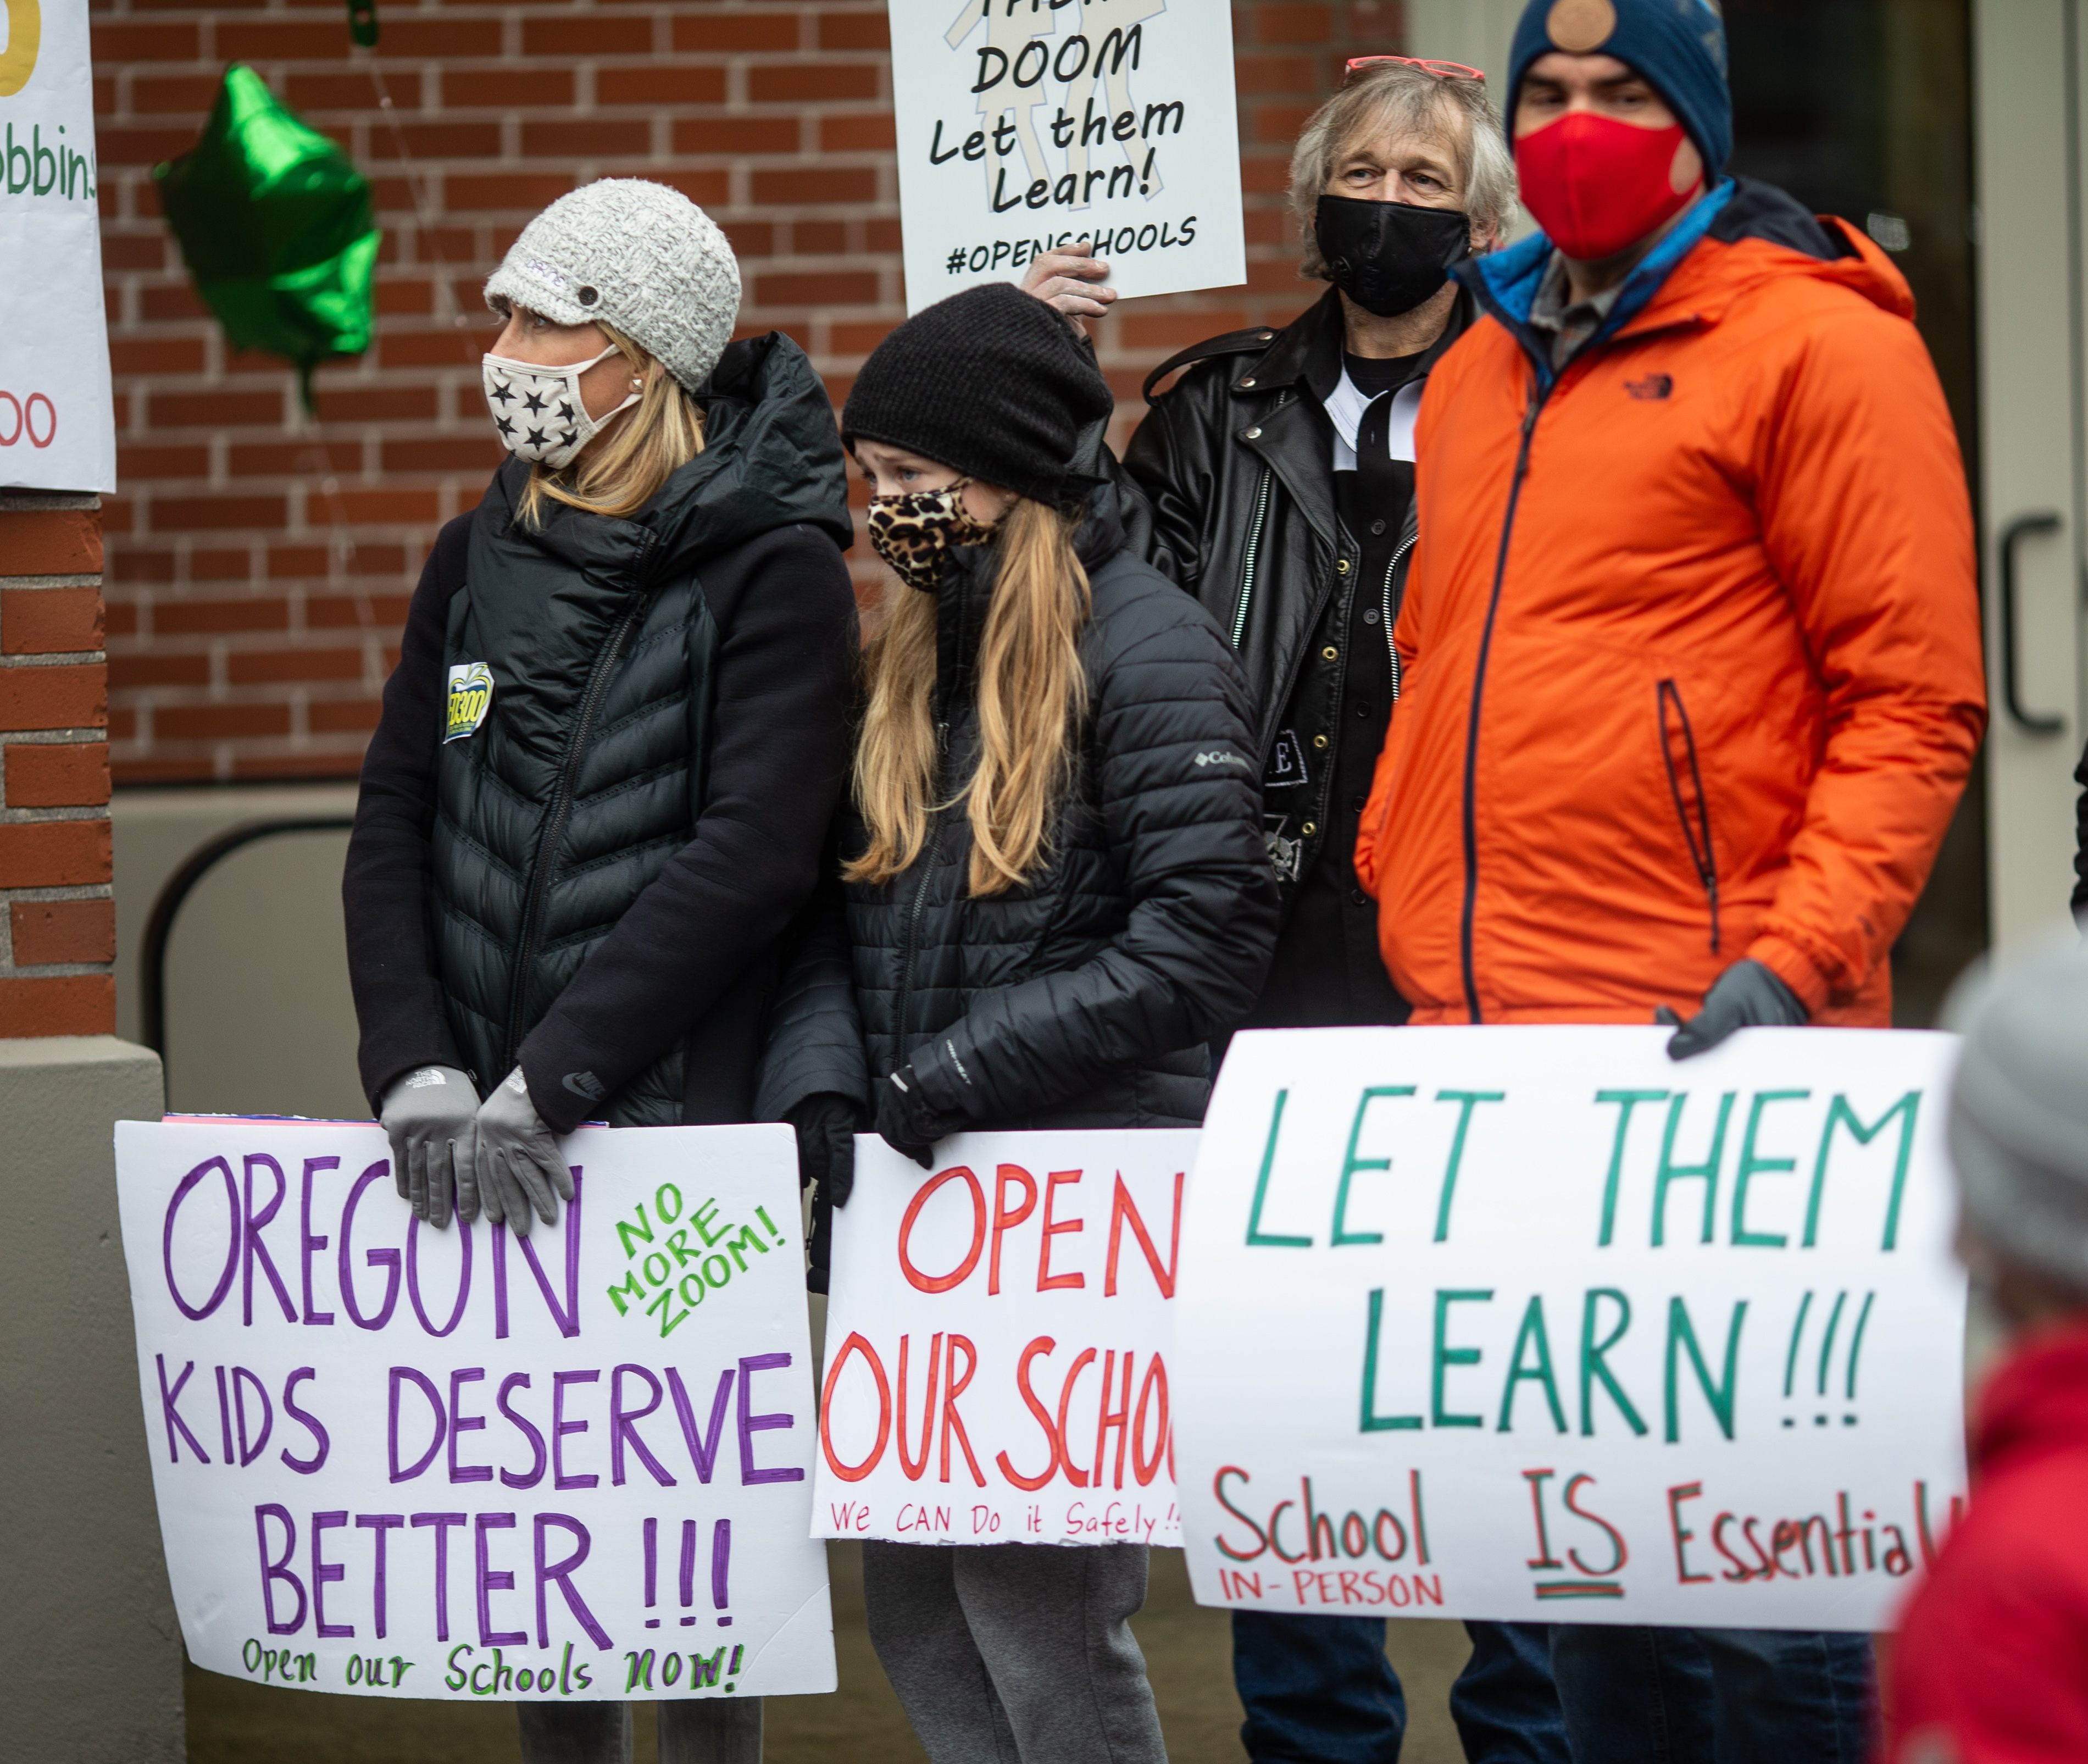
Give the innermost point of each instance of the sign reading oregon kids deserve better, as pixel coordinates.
(1531, 1323)
(1026, 125)
(999, 1342)
(392, 1461)
(57, 414)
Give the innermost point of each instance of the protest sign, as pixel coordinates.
(1023, 127)
(1533, 1323)
(57, 424)
(400, 1462)
(997, 1338)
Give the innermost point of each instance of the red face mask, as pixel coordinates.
(1597, 185)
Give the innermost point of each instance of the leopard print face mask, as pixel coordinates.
(915, 532)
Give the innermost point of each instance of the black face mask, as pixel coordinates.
(1388, 257)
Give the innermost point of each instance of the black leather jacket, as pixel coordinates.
(1234, 465)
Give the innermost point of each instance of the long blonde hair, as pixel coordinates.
(1033, 693)
(657, 439)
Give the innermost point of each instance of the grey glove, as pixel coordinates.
(520, 1170)
(1746, 995)
(430, 1116)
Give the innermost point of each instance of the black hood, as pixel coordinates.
(772, 458)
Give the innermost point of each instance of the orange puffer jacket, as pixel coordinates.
(1691, 645)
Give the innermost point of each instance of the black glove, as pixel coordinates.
(430, 1114)
(1747, 995)
(826, 1124)
(905, 1122)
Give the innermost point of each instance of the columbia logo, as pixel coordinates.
(1652, 386)
(1218, 757)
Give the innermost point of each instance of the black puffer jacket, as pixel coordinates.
(1233, 463)
(594, 878)
(1082, 999)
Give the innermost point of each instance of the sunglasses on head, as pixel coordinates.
(1440, 70)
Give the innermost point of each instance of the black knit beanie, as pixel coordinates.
(990, 381)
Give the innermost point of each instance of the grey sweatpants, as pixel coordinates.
(1016, 1653)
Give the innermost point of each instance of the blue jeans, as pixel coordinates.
(1643, 1696)
(1320, 1690)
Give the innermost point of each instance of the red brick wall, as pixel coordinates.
(57, 923)
(259, 566)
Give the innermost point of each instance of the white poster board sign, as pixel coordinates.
(397, 1462)
(57, 422)
(1532, 1323)
(1023, 127)
(997, 1342)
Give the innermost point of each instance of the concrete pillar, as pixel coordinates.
(86, 1621)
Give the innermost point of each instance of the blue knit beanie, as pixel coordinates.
(1679, 45)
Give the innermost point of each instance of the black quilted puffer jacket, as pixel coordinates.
(607, 770)
(1083, 997)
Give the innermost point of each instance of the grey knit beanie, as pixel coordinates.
(2019, 1111)
(638, 255)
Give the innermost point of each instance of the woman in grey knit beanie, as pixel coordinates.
(607, 762)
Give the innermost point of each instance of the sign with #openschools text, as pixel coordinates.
(392, 1461)
(1531, 1323)
(1026, 125)
(997, 1342)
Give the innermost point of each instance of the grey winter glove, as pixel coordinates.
(520, 1170)
(826, 1124)
(905, 1120)
(430, 1116)
(1746, 995)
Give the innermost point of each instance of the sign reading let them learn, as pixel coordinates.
(396, 1462)
(999, 1339)
(1025, 126)
(1533, 1323)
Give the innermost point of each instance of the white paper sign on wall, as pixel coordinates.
(997, 1342)
(1531, 1323)
(1027, 124)
(58, 425)
(392, 1461)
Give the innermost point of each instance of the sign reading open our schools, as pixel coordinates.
(397, 1462)
(998, 1340)
(1023, 127)
(1533, 1323)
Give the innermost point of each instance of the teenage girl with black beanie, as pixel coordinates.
(1056, 893)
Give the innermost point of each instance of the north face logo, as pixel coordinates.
(1652, 386)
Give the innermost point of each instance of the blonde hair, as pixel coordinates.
(1033, 693)
(655, 440)
(1411, 100)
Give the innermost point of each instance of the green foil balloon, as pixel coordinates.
(274, 222)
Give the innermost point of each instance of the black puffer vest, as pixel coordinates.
(560, 801)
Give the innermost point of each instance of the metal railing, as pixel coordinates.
(159, 928)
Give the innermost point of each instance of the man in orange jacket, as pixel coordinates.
(1691, 664)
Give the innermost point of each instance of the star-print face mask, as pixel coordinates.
(538, 410)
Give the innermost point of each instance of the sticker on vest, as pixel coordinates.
(470, 698)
